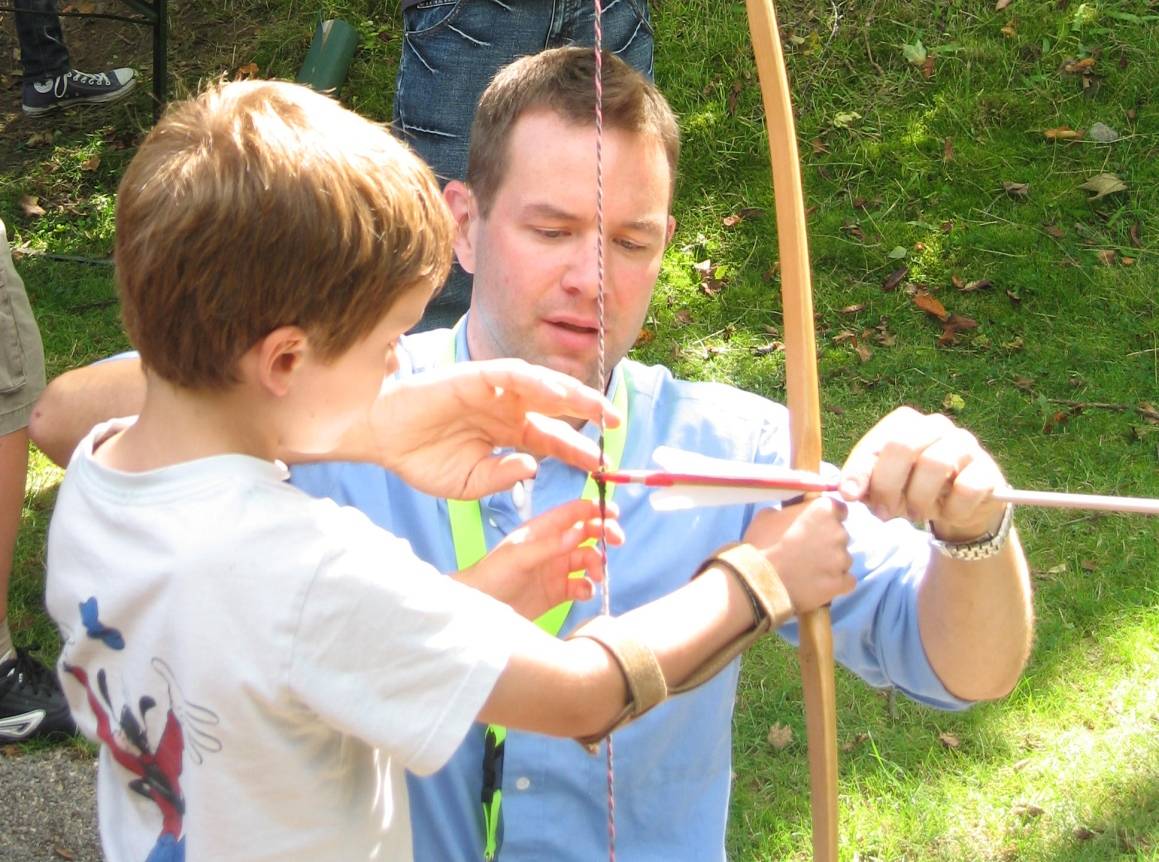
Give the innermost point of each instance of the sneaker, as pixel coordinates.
(75, 87)
(31, 702)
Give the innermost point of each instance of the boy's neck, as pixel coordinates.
(178, 425)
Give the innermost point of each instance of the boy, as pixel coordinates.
(261, 667)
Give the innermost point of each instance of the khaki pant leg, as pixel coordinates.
(21, 351)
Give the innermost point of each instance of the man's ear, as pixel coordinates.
(671, 230)
(459, 198)
(275, 359)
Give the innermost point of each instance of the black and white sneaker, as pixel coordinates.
(73, 88)
(31, 702)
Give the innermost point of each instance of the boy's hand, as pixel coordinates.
(529, 569)
(925, 468)
(808, 546)
(439, 430)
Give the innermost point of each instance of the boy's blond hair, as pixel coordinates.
(562, 80)
(260, 204)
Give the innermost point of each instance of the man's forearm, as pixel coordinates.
(79, 399)
(976, 619)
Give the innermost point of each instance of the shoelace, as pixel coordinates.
(27, 672)
(100, 79)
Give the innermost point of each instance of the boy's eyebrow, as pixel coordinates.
(546, 210)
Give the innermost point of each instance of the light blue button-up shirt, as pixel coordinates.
(673, 766)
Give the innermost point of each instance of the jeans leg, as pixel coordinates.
(42, 50)
(627, 27)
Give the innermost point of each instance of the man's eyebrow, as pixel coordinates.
(545, 210)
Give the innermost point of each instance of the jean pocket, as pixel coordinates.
(430, 16)
(12, 373)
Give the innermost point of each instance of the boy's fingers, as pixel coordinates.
(546, 391)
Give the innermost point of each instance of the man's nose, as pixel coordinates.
(581, 274)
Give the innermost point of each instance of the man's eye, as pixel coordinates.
(549, 232)
(630, 245)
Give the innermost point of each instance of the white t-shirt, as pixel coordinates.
(259, 666)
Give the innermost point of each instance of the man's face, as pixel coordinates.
(535, 293)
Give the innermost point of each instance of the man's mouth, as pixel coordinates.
(576, 326)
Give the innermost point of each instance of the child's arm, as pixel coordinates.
(796, 561)
(529, 569)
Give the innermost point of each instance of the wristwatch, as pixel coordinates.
(986, 545)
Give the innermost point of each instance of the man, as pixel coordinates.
(50, 82)
(31, 702)
(922, 613)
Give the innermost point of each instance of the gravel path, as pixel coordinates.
(48, 809)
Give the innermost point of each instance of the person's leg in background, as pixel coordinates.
(451, 50)
(50, 82)
(31, 702)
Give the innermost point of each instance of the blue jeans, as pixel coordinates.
(42, 50)
(452, 49)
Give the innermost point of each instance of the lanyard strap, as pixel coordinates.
(466, 520)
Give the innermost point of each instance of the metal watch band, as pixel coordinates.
(984, 546)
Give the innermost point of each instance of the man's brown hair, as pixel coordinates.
(562, 80)
(261, 204)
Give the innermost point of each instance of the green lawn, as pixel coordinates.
(938, 165)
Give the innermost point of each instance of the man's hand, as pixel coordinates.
(808, 546)
(530, 569)
(925, 468)
(439, 431)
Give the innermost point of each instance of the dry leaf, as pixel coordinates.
(40, 139)
(853, 743)
(63, 853)
(1102, 185)
(1028, 809)
(780, 736)
(1010, 29)
(1016, 190)
(1002, 4)
(742, 214)
(646, 336)
(853, 229)
(1107, 256)
(894, 279)
(91, 163)
(1062, 133)
(683, 317)
(949, 740)
(30, 206)
(1054, 231)
(249, 70)
(948, 150)
(1083, 833)
(1134, 234)
(1127, 261)
(930, 305)
(818, 146)
(1079, 67)
(956, 281)
(853, 309)
(771, 347)
(734, 93)
(980, 284)
(928, 67)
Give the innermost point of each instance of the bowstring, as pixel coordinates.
(598, 31)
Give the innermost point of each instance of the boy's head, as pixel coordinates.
(562, 80)
(262, 204)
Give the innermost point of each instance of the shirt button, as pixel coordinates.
(522, 783)
(493, 523)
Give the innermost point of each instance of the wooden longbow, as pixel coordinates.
(803, 400)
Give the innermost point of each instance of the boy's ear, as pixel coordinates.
(671, 229)
(458, 196)
(277, 357)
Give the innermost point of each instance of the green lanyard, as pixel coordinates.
(466, 518)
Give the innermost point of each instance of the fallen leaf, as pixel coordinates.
(1054, 231)
(1127, 261)
(1083, 833)
(956, 281)
(733, 94)
(771, 347)
(40, 139)
(853, 229)
(30, 206)
(818, 146)
(853, 743)
(954, 403)
(894, 279)
(1102, 133)
(1002, 4)
(960, 322)
(249, 70)
(1057, 420)
(1102, 185)
(928, 67)
(683, 317)
(62, 853)
(1107, 256)
(1134, 234)
(949, 740)
(780, 736)
(1026, 384)
(1079, 67)
(770, 274)
(714, 350)
(741, 215)
(948, 150)
(853, 309)
(845, 119)
(980, 284)
(915, 54)
(928, 303)
(1010, 28)
(897, 252)
(1062, 133)
(646, 336)
(1016, 190)
(1028, 810)
(91, 163)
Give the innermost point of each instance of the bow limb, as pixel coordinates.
(816, 649)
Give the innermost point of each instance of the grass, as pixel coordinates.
(1067, 767)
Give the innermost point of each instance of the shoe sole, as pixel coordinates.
(115, 96)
